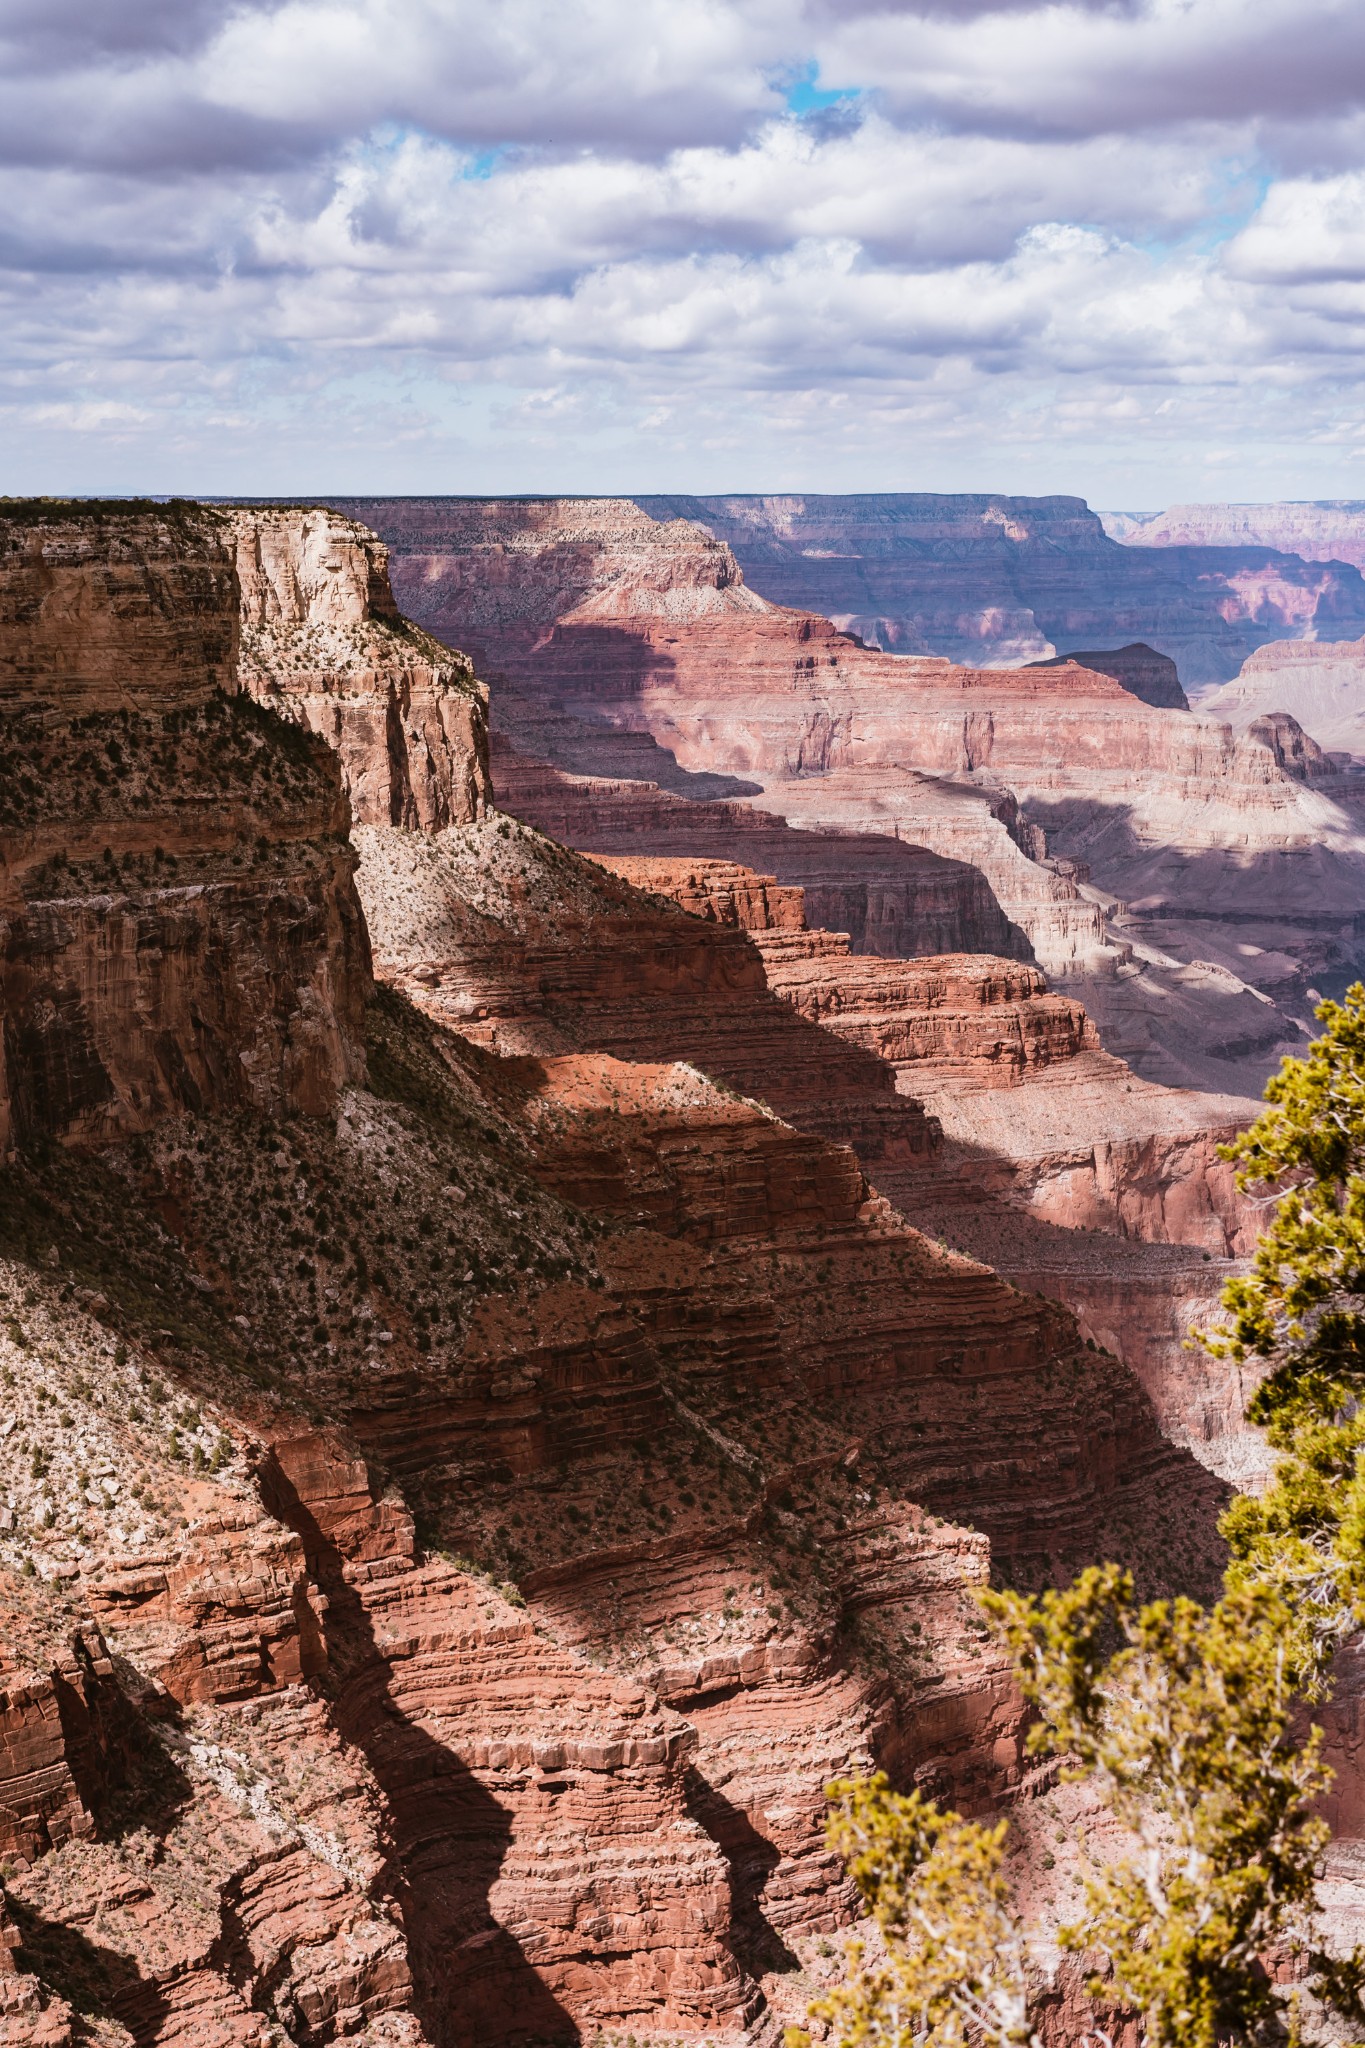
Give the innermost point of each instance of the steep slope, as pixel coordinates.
(460, 1512)
(1060, 1169)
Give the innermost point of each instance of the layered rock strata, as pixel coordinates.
(457, 1522)
(1321, 683)
(1038, 1119)
(890, 895)
(324, 643)
(177, 922)
(1321, 530)
(992, 579)
(1201, 881)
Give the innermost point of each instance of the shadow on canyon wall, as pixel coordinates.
(472, 1984)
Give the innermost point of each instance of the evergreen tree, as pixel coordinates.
(1183, 1719)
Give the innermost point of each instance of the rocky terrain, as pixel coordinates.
(993, 581)
(323, 640)
(477, 1452)
(1193, 882)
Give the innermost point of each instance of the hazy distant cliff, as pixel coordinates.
(989, 579)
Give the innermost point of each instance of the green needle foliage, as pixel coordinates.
(1300, 1316)
(1181, 1718)
(1185, 1732)
(950, 1967)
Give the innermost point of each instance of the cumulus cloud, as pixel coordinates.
(677, 235)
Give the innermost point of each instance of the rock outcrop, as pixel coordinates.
(1321, 683)
(459, 1516)
(177, 922)
(1137, 668)
(324, 643)
(103, 607)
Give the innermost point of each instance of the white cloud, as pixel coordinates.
(414, 235)
(1306, 231)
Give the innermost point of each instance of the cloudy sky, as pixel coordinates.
(450, 245)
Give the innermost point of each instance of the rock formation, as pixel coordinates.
(177, 922)
(460, 1511)
(324, 642)
(1137, 668)
(1199, 881)
(992, 580)
(1321, 530)
(1321, 683)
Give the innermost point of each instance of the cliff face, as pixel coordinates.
(890, 895)
(1320, 683)
(1058, 1167)
(457, 1522)
(1194, 880)
(101, 609)
(177, 922)
(1328, 530)
(994, 580)
(324, 643)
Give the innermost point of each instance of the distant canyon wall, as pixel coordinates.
(993, 580)
(1321, 683)
(1321, 530)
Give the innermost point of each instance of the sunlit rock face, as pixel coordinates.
(478, 1455)
(324, 642)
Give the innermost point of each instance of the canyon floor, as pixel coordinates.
(537, 1280)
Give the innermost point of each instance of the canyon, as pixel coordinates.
(509, 1366)
(993, 580)
(1321, 683)
(1191, 882)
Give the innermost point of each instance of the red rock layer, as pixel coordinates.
(1037, 1119)
(458, 1519)
(1227, 867)
(890, 895)
(698, 1450)
(177, 921)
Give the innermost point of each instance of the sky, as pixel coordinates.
(1114, 249)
